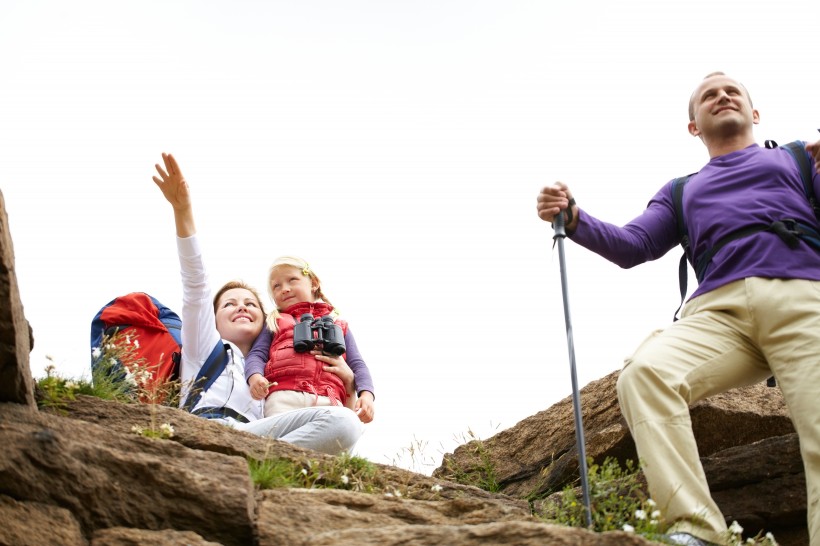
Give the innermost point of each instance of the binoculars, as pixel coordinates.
(320, 332)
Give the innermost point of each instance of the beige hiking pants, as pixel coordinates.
(734, 336)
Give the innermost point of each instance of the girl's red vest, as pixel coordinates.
(301, 371)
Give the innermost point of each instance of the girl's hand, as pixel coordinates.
(364, 407)
(259, 386)
(337, 365)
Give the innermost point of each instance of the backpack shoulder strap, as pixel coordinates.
(170, 319)
(683, 234)
(798, 151)
(212, 368)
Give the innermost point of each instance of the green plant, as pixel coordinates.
(274, 472)
(120, 373)
(616, 499)
(480, 469)
(117, 373)
(618, 503)
(734, 537)
(53, 391)
(341, 472)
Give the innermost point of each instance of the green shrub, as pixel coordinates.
(342, 472)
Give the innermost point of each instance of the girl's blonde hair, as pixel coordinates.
(304, 267)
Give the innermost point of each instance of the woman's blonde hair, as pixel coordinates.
(304, 267)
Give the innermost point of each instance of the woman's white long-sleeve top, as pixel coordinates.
(200, 336)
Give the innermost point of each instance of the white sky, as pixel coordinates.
(398, 147)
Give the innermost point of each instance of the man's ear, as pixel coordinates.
(755, 116)
(693, 128)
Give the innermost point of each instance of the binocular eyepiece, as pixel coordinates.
(320, 332)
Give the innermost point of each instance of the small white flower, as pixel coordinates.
(436, 488)
(304, 471)
(770, 537)
(137, 429)
(167, 430)
(735, 528)
(71, 385)
(628, 528)
(750, 540)
(656, 514)
(345, 479)
(95, 353)
(650, 503)
(640, 514)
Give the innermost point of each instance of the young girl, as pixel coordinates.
(292, 380)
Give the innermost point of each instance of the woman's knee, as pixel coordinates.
(346, 425)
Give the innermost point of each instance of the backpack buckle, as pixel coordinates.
(787, 231)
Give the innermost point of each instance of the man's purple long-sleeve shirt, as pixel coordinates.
(752, 186)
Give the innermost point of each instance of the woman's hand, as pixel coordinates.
(337, 365)
(259, 386)
(175, 190)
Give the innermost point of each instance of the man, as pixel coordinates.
(755, 313)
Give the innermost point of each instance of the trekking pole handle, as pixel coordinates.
(559, 225)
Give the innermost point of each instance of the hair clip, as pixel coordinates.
(306, 270)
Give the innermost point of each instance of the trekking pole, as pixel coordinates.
(558, 238)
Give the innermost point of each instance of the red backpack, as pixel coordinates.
(149, 333)
(151, 328)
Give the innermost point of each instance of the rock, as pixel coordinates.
(324, 511)
(34, 524)
(538, 455)
(762, 486)
(121, 536)
(340, 518)
(16, 337)
(76, 474)
(747, 442)
(111, 479)
(202, 434)
(118, 488)
(518, 533)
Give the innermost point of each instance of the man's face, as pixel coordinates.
(721, 107)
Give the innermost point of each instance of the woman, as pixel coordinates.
(236, 317)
